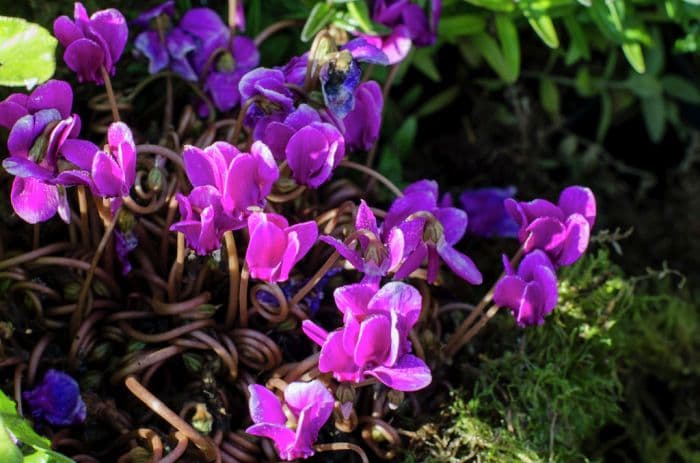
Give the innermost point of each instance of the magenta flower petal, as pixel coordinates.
(264, 406)
(27, 129)
(454, 223)
(401, 298)
(354, 299)
(408, 374)
(282, 436)
(107, 174)
(268, 244)
(578, 200)
(79, 152)
(33, 200)
(334, 357)
(85, 57)
(150, 45)
(23, 167)
(11, 112)
(373, 344)
(110, 25)
(362, 124)
(547, 233)
(462, 265)
(578, 232)
(509, 291)
(223, 88)
(314, 332)
(54, 94)
(66, 31)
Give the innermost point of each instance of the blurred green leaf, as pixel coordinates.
(458, 26)
(438, 102)
(606, 113)
(544, 27)
(404, 138)
(635, 56)
(320, 15)
(27, 53)
(579, 45)
(654, 117)
(8, 450)
(360, 13)
(644, 86)
(505, 6)
(549, 97)
(680, 88)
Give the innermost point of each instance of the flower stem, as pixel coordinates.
(373, 173)
(466, 331)
(273, 28)
(234, 277)
(83, 208)
(232, 13)
(243, 296)
(110, 94)
(336, 446)
(175, 276)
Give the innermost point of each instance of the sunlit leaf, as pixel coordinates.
(320, 15)
(27, 53)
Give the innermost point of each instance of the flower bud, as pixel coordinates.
(193, 362)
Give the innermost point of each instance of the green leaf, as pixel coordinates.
(579, 45)
(504, 6)
(544, 27)
(458, 26)
(644, 86)
(510, 45)
(8, 450)
(680, 88)
(549, 97)
(360, 13)
(321, 14)
(606, 113)
(635, 56)
(37, 457)
(438, 102)
(27, 53)
(654, 117)
(405, 137)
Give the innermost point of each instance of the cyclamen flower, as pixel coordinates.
(561, 230)
(531, 293)
(371, 256)
(430, 231)
(57, 400)
(268, 86)
(151, 43)
(309, 406)
(275, 246)
(92, 42)
(363, 122)
(227, 182)
(487, 214)
(409, 25)
(40, 125)
(374, 338)
(312, 148)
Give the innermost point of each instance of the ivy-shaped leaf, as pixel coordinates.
(27, 53)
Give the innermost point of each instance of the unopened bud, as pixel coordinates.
(155, 179)
(193, 362)
(345, 393)
(71, 291)
(100, 288)
(202, 420)
(139, 455)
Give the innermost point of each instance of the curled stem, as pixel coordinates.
(315, 279)
(274, 28)
(374, 174)
(338, 446)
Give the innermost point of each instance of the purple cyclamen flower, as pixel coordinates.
(153, 43)
(92, 42)
(113, 168)
(57, 400)
(269, 86)
(312, 148)
(363, 122)
(227, 182)
(531, 293)
(275, 246)
(561, 230)
(409, 25)
(166, 8)
(487, 214)
(40, 126)
(430, 231)
(370, 255)
(309, 406)
(124, 243)
(312, 300)
(374, 338)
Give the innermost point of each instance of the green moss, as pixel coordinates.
(618, 353)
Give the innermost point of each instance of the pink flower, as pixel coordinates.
(309, 406)
(374, 338)
(275, 247)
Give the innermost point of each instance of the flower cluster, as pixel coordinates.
(93, 44)
(374, 338)
(294, 424)
(199, 48)
(46, 156)
(551, 236)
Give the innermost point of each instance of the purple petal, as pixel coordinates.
(546, 233)
(23, 167)
(151, 46)
(531, 304)
(33, 200)
(85, 57)
(454, 223)
(462, 265)
(335, 359)
(365, 219)
(401, 298)
(509, 292)
(409, 374)
(312, 396)
(111, 26)
(363, 123)
(202, 167)
(107, 175)
(57, 400)
(363, 51)
(547, 280)
(54, 94)
(282, 436)
(223, 88)
(27, 129)
(66, 31)
(245, 53)
(578, 200)
(413, 261)
(11, 112)
(79, 152)
(374, 341)
(354, 299)
(264, 406)
(314, 332)
(268, 243)
(577, 235)
(307, 234)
